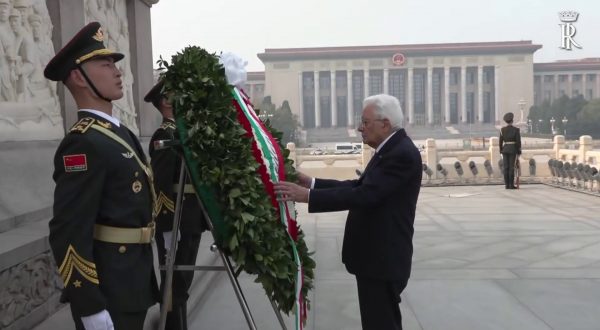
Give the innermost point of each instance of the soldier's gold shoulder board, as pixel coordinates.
(82, 125)
(104, 124)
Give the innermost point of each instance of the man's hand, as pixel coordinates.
(288, 191)
(98, 321)
(304, 180)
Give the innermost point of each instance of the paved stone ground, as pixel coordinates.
(485, 258)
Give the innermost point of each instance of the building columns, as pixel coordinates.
(386, 78)
(584, 85)
(350, 98)
(496, 94)
(333, 101)
(317, 101)
(463, 94)
(366, 81)
(301, 98)
(409, 97)
(429, 97)
(480, 93)
(570, 85)
(447, 95)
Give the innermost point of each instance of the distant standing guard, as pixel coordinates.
(510, 147)
(166, 164)
(103, 224)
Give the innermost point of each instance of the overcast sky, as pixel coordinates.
(248, 27)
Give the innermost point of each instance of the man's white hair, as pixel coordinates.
(386, 107)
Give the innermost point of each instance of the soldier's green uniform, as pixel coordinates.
(102, 226)
(510, 147)
(166, 165)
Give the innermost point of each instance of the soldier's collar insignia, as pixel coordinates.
(104, 124)
(127, 154)
(99, 36)
(77, 284)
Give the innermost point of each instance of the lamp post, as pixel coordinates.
(540, 125)
(552, 120)
(522, 105)
(529, 125)
(565, 121)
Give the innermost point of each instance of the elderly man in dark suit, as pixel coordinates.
(377, 245)
(510, 148)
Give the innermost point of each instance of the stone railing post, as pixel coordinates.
(495, 154)
(291, 146)
(431, 156)
(559, 143)
(585, 145)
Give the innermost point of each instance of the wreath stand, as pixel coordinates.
(170, 266)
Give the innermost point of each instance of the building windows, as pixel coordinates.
(454, 77)
(436, 97)
(471, 77)
(487, 107)
(548, 79)
(547, 96)
(358, 93)
(376, 82)
(453, 108)
(591, 77)
(308, 99)
(470, 107)
(562, 78)
(576, 77)
(488, 76)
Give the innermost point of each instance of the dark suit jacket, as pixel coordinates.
(99, 182)
(512, 135)
(381, 204)
(166, 164)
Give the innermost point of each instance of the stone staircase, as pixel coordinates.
(29, 283)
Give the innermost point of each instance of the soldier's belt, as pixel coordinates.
(111, 234)
(510, 142)
(187, 189)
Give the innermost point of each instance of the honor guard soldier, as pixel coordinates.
(510, 148)
(103, 224)
(166, 165)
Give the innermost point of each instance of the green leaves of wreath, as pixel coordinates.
(224, 173)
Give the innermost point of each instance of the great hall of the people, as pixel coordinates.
(437, 84)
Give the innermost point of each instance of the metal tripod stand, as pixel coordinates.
(170, 266)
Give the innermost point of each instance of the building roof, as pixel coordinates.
(467, 48)
(568, 65)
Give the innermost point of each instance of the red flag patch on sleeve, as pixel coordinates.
(75, 163)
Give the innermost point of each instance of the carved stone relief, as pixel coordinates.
(27, 286)
(29, 106)
(112, 15)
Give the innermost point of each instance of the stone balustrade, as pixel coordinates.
(345, 166)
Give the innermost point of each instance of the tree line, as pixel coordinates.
(582, 117)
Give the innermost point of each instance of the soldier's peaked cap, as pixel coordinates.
(508, 117)
(155, 93)
(87, 44)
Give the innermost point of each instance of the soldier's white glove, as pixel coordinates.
(167, 236)
(98, 321)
